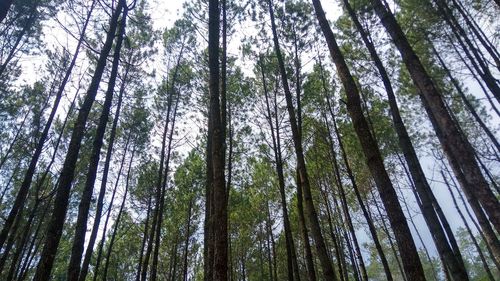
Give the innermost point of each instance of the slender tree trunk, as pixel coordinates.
(455, 264)
(117, 222)
(388, 234)
(110, 208)
(468, 48)
(458, 150)
(375, 163)
(487, 45)
(334, 237)
(186, 243)
(27, 26)
(144, 240)
(104, 181)
(23, 190)
(220, 234)
(311, 272)
(290, 248)
(468, 105)
(5, 157)
(345, 208)
(85, 201)
(54, 230)
(469, 231)
(326, 264)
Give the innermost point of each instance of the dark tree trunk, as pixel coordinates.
(457, 149)
(28, 177)
(326, 264)
(220, 234)
(117, 222)
(144, 240)
(290, 248)
(469, 231)
(85, 201)
(374, 160)
(104, 181)
(455, 264)
(55, 227)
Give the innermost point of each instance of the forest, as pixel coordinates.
(248, 140)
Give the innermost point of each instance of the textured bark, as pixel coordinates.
(455, 263)
(326, 264)
(457, 149)
(220, 233)
(406, 245)
(56, 223)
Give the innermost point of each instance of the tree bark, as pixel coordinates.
(85, 201)
(455, 264)
(327, 267)
(408, 250)
(56, 223)
(28, 177)
(457, 149)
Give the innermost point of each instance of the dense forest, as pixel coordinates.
(250, 140)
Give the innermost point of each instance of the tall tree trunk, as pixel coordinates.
(336, 242)
(104, 181)
(483, 235)
(220, 234)
(311, 272)
(144, 240)
(55, 227)
(326, 264)
(457, 149)
(117, 222)
(186, 243)
(455, 264)
(469, 231)
(385, 229)
(20, 199)
(108, 215)
(85, 201)
(290, 248)
(374, 160)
